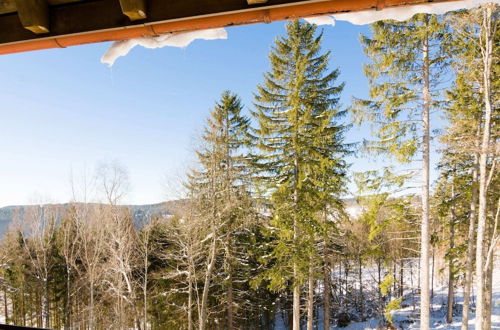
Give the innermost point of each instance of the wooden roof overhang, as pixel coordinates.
(27, 25)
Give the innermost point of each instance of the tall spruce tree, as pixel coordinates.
(301, 151)
(219, 189)
(407, 62)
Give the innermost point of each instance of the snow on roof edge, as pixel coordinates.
(180, 40)
(398, 14)
(183, 39)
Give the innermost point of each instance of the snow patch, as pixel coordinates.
(407, 317)
(176, 39)
(321, 20)
(405, 13)
(354, 211)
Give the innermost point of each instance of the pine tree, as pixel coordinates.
(407, 60)
(300, 151)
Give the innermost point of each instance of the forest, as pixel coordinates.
(266, 236)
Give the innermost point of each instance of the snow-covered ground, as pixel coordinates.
(407, 317)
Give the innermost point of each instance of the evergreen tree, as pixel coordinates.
(451, 206)
(389, 222)
(407, 62)
(220, 189)
(301, 150)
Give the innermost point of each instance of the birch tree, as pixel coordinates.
(488, 31)
(474, 102)
(38, 235)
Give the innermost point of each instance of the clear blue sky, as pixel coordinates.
(63, 110)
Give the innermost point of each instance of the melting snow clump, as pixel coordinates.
(321, 20)
(398, 14)
(404, 13)
(176, 39)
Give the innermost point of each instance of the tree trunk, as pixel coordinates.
(488, 297)
(45, 302)
(432, 272)
(470, 239)
(23, 311)
(339, 280)
(394, 283)
(145, 291)
(32, 312)
(449, 314)
(296, 303)
(310, 298)
(190, 302)
(39, 311)
(266, 320)
(360, 275)
(206, 285)
(401, 277)
(91, 309)
(289, 314)
(326, 290)
(346, 269)
(424, 241)
(483, 157)
(67, 307)
(412, 286)
(230, 299)
(379, 291)
(488, 278)
(190, 297)
(296, 284)
(6, 305)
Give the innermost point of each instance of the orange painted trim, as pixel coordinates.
(250, 16)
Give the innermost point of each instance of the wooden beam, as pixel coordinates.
(34, 15)
(256, 2)
(134, 9)
(88, 16)
(86, 22)
(7, 6)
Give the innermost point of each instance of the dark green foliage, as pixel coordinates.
(301, 148)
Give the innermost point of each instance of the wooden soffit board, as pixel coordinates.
(27, 25)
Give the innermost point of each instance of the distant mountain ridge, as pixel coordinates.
(139, 212)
